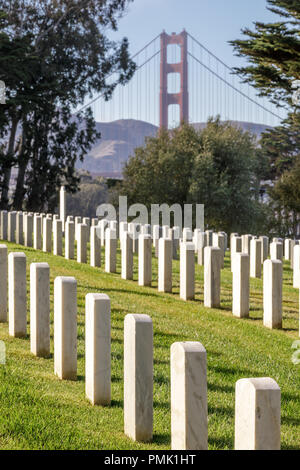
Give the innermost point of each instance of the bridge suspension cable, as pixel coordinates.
(113, 73)
(214, 89)
(227, 93)
(233, 87)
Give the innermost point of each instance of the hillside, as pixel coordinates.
(117, 143)
(120, 138)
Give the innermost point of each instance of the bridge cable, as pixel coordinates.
(233, 87)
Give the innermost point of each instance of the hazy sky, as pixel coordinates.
(212, 22)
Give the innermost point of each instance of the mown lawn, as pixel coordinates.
(38, 411)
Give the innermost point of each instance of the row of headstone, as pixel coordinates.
(37, 230)
(17, 226)
(259, 249)
(257, 412)
(272, 290)
(247, 253)
(213, 258)
(25, 227)
(41, 228)
(212, 264)
(279, 249)
(38, 233)
(258, 400)
(272, 286)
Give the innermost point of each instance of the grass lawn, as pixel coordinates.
(38, 411)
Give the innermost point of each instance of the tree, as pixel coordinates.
(162, 169)
(52, 144)
(280, 145)
(92, 192)
(285, 201)
(225, 178)
(273, 50)
(274, 53)
(217, 167)
(17, 61)
(75, 60)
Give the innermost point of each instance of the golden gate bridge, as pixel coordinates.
(178, 78)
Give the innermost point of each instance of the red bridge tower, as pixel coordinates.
(181, 98)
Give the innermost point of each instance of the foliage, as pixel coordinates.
(280, 145)
(225, 179)
(65, 57)
(17, 63)
(91, 193)
(161, 170)
(285, 199)
(217, 167)
(273, 50)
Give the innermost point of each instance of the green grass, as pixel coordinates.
(38, 411)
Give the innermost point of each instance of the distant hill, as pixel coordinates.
(256, 129)
(117, 143)
(120, 138)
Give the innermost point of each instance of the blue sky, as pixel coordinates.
(212, 22)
